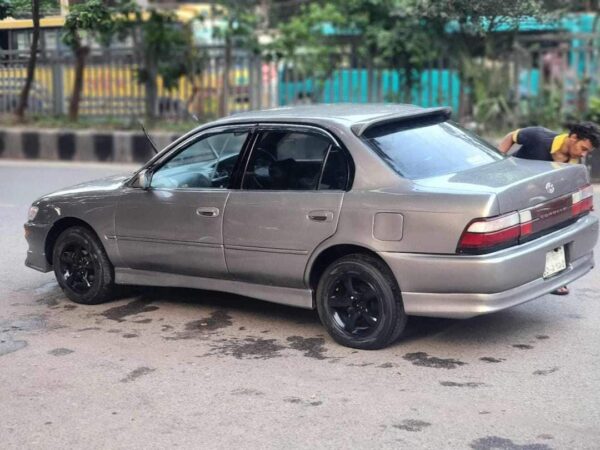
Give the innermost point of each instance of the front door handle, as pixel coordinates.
(320, 216)
(208, 211)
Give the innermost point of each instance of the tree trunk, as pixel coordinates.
(35, 9)
(224, 97)
(151, 88)
(80, 56)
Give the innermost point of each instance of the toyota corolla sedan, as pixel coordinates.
(368, 213)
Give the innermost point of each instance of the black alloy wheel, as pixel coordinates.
(359, 302)
(82, 267)
(76, 266)
(354, 304)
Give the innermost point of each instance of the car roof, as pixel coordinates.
(358, 117)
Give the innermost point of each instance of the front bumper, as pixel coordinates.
(36, 239)
(463, 286)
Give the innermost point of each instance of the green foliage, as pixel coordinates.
(544, 110)
(22, 8)
(93, 18)
(5, 9)
(166, 46)
(593, 112)
(239, 23)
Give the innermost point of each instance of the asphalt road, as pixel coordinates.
(195, 369)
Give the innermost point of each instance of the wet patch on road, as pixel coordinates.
(412, 425)
(246, 391)
(200, 328)
(60, 351)
(424, 360)
(130, 335)
(312, 347)
(248, 348)
(498, 443)
(542, 337)
(545, 372)
(118, 313)
(113, 330)
(359, 364)
(386, 365)
(135, 374)
(31, 323)
(522, 346)
(89, 329)
(143, 321)
(70, 307)
(49, 294)
(545, 436)
(299, 401)
(467, 384)
(8, 345)
(489, 359)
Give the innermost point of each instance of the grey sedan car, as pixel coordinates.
(368, 213)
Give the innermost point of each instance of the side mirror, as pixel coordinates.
(144, 178)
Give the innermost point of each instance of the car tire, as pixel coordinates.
(359, 303)
(82, 267)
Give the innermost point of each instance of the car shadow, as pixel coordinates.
(509, 324)
(221, 300)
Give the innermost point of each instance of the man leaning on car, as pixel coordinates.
(542, 144)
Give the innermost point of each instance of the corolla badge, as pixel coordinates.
(550, 188)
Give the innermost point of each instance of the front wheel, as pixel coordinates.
(359, 303)
(82, 268)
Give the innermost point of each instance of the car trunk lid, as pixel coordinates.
(518, 184)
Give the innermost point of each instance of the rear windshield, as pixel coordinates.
(429, 148)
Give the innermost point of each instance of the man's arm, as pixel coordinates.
(507, 142)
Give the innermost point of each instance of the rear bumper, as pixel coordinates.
(461, 286)
(36, 239)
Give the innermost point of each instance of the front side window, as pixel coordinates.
(286, 160)
(205, 163)
(430, 148)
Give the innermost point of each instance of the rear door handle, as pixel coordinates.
(207, 211)
(321, 216)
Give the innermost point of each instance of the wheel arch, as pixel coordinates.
(330, 254)
(60, 226)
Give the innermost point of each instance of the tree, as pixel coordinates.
(92, 20)
(35, 8)
(239, 22)
(387, 33)
(24, 97)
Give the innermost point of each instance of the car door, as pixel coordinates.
(289, 202)
(176, 224)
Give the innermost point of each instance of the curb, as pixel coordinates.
(84, 145)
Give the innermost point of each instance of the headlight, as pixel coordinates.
(33, 210)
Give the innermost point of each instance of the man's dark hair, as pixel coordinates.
(586, 130)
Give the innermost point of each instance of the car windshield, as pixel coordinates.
(422, 149)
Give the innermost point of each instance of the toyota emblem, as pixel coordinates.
(550, 188)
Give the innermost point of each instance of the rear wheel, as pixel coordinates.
(82, 268)
(359, 303)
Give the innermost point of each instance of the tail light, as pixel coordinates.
(486, 235)
(583, 201)
(490, 234)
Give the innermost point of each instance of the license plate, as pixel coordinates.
(555, 261)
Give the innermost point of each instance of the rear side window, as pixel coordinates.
(427, 149)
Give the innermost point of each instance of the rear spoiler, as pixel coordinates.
(360, 128)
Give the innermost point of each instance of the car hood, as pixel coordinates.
(517, 183)
(89, 188)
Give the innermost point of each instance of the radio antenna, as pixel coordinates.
(148, 137)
